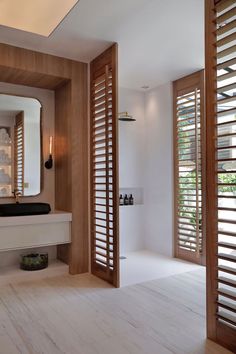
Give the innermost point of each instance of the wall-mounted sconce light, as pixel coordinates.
(125, 117)
(49, 162)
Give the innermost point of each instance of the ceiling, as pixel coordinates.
(159, 41)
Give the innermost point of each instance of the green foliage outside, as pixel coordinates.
(190, 179)
(228, 179)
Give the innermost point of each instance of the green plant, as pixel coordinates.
(189, 181)
(229, 179)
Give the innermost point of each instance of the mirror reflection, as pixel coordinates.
(20, 145)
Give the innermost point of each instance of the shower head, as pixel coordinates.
(125, 117)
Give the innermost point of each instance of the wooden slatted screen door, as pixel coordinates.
(19, 153)
(189, 167)
(221, 170)
(104, 167)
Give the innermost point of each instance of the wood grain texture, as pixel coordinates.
(69, 80)
(211, 241)
(22, 77)
(220, 331)
(63, 167)
(35, 63)
(80, 166)
(72, 165)
(104, 167)
(84, 315)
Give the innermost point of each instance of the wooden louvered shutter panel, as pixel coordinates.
(221, 170)
(104, 169)
(19, 153)
(189, 167)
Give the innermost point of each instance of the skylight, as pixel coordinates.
(36, 16)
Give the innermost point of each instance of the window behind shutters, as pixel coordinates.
(189, 164)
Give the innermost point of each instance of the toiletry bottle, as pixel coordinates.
(126, 200)
(121, 199)
(131, 200)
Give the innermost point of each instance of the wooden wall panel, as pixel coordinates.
(35, 63)
(69, 80)
(63, 162)
(80, 167)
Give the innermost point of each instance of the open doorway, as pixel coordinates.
(146, 171)
(170, 47)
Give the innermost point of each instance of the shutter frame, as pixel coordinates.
(220, 277)
(186, 87)
(19, 153)
(104, 176)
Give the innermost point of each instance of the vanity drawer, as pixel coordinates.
(34, 235)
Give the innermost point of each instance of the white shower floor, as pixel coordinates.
(144, 265)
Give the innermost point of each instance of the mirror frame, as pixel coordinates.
(41, 145)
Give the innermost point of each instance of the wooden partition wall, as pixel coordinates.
(68, 79)
(221, 170)
(104, 167)
(189, 153)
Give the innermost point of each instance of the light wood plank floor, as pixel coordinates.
(70, 315)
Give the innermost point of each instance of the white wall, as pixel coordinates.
(146, 161)
(159, 170)
(132, 173)
(131, 139)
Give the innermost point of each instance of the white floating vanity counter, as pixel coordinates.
(19, 232)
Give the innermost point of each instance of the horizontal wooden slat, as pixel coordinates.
(227, 281)
(227, 76)
(227, 293)
(187, 247)
(226, 209)
(220, 136)
(226, 221)
(226, 64)
(227, 305)
(227, 269)
(227, 257)
(224, 53)
(224, 4)
(226, 16)
(180, 228)
(227, 317)
(226, 233)
(185, 234)
(231, 122)
(227, 39)
(226, 88)
(227, 99)
(226, 112)
(184, 242)
(106, 255)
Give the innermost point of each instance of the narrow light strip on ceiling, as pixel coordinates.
(35, 16)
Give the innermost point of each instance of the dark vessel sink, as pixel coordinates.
(22, 209)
